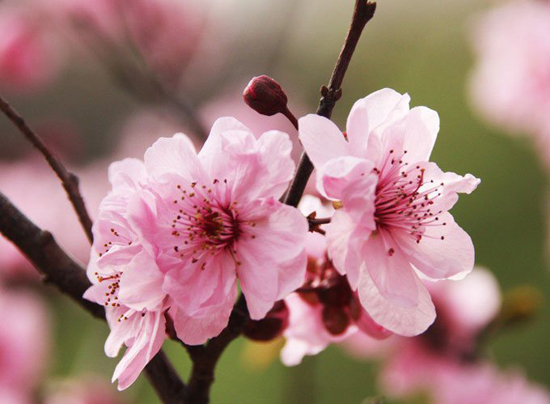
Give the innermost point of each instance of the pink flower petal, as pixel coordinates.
(370, 113)
(126, 174)
(390, 270)
(273, 260)
(341, 177)
(208, 321)
(145, 345)
(342, 235)
(141, 284)
(444, 250)
(191, 287)
(397, 300)
(175, 155)
(322, 139)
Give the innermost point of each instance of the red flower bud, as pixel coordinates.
(335, 319)
(265, 96)
(270, 327)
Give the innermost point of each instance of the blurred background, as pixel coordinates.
(103, 80)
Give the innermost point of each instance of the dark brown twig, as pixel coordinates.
(362, 14)
(314, 224)
(69, 277)
(205, 358)
(69, 180)
(134, 74)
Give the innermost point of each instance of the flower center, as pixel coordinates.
(201, 225)
(405, 198)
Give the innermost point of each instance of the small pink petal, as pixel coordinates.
(445, 250)
(322, 139)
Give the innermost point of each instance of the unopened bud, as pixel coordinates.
(265, 96)
(270, 327)
(335, 320)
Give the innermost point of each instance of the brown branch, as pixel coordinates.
(68, 179)
(362, 14)
(205, 358)
(70, 278)
(314, 224)
(166, 381)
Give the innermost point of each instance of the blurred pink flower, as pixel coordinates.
(165, 32)
(394, 221)
(143, 128)
(464, 309)
(89, 389)
(448, 382)
(8, 396)
(441, 362)
(325, 310)
(24, 344)
(29, 55)
(33, 187)
(510, 83)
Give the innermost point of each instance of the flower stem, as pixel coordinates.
(363, 12)
(68, 179)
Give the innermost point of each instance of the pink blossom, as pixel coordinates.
(29, 56)
(217, 218)
(510, 83)
(24, 343)
(394, 224)
(324, 310)
(89, 389)
(178, 229)
(441, 362)
(125, 277)
(166, 32)
(448, 382)
(38, 193)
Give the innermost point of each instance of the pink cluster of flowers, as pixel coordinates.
(510, 82)
(35, 37)
(182, 231)
(446, 362)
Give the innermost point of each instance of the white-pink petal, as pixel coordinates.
(175, 155)
(373, 113)
(322, 140)
(444, 251)
(405, 320)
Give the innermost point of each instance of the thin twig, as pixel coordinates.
(68, 179)
(70, 278)
(362, 14)
(317, 222)
(134, 74)
(291, 117)
(314, 224)
(205, 358)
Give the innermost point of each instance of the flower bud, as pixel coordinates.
(335, 320)
(265, 96)
(270, 327)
